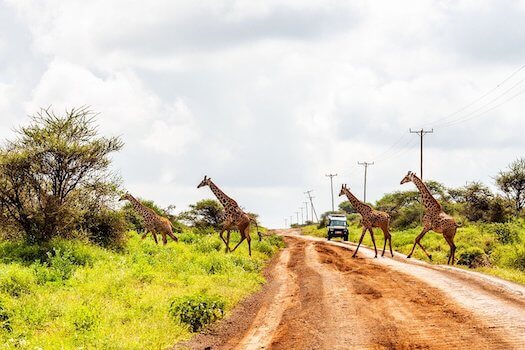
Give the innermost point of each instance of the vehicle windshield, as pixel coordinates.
(337, 223)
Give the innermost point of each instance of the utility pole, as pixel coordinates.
(331, 176)
(365, 164)
(291, 223)
(302, 217)
(306, 210)
(285, 222)
(421, 133)
(297, 213)
(312, 205)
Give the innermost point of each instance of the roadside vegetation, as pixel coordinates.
(491, 238)
(74, 272)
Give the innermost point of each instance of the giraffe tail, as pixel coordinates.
(256, 225)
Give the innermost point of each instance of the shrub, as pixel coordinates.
(505, 233)
(5, 318)
(519, 261)
(16, 281)
(247, 264)
(197, 311)
(84, 318)
(106, 228)
(473, 257)
(209, 244)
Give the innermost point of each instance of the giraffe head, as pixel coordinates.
(342, 192)
(125, 196)
(204, 182)
(407, 178)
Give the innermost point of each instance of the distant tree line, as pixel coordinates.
(474, 202)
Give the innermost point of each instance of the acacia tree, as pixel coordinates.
(207, 212)
(512, 183)
(54, 172)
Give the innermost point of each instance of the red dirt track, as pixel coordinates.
(319, 297)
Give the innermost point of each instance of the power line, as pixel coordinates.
(331, 176)
(365, 164)
(461, 109)
(421, 133)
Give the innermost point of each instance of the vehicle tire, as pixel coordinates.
(329, 237)
(346, 238)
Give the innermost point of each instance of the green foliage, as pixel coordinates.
(75, 294)
(204, 213)
(84, 318)
(54, 173)
(197, 311)
(5, 318)
(505, 233)
(16, 281)
(105, 227)
(512, 183)
(472, 257)
(491, 248)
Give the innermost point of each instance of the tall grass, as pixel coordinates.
(76, 295)
(496, 249)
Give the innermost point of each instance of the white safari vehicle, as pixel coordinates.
(337, 226)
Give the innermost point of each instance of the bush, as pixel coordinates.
(505, 233)
(5, 318)
(16, 281)
(197, 311)
(106, 228)
(519, 261)
(473, 257)
(84, 318)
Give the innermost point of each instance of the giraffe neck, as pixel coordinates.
(221, 196)
(139, 207)
(429, 202)
(361, 207)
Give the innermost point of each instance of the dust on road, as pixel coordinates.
(319, 297)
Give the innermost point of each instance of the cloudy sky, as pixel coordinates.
(267, 97)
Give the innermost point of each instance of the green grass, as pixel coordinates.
(496, 249)
(82, 296)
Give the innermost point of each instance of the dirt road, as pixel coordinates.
(319, 297)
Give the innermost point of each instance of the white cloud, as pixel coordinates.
(268, 96)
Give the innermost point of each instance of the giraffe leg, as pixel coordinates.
(172, 236)
(222, 237)
(384, 245)
(360, 240)
(238, 244)
(155, 237)
(164, 239)
(417, 241)
(390, 244)
(373, 240)
(450, 242)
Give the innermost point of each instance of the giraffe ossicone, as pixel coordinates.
(234, 216)
(434, 218)
(153, 223)
(370, 218)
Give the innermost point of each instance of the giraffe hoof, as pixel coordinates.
(408, 256)
(430, 257)
(353, 255)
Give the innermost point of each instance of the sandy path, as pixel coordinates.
(318, 297)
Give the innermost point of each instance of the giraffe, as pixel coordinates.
(153, 222)
(434, 218)
(370, 218)
(233, 216)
